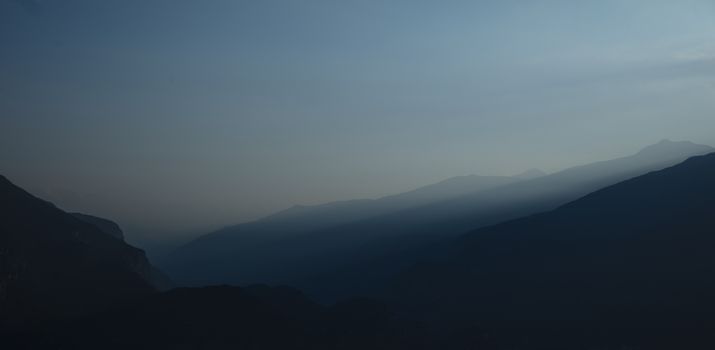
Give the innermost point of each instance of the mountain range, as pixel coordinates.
(624, 260)
(344, 249)
(627, 265)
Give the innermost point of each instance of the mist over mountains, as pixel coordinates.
(351, 175)
(607, 255)
(339, 249)
(610, 254)
(622, 261)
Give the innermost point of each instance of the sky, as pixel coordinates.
(177, 117)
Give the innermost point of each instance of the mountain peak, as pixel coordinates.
(667, 146)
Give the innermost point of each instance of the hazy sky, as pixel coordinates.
(179, 116)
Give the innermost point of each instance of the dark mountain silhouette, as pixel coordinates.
(339, 258)
(631, 264)
(158, 278)
(224, 317)
(107, 226)
(68, 284)
(53, 264)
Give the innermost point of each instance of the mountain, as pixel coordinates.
(306, 218)
(157, 277)
(548, 192)
(254, 242)
(631, 264)
(107, 226)
(338, 258)
(53, 264)
(222, 317)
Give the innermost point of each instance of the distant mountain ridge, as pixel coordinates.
(301, 221)
(635, 255)
(339, 259)
(342, 212)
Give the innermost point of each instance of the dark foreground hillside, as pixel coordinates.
(631, 264)
(54, 265)
(227, 318)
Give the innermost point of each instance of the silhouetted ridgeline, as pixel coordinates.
(630, 264)
(109, 227)
(344, 249)
(53, 264)
(627, 266)
(68, 284)
(283, 246)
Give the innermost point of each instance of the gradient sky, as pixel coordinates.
(182, 116)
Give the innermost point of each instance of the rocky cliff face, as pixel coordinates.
(54, 264)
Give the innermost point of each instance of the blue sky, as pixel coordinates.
(188, 115)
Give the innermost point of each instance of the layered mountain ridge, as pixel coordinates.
(319, 250)
(635, 255)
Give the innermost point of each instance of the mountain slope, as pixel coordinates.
(158, 278)
(107, 226)
(548, 192)
(637, 254)
(309, 218)
(354, 257)
(53, 264)
(257, 242)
